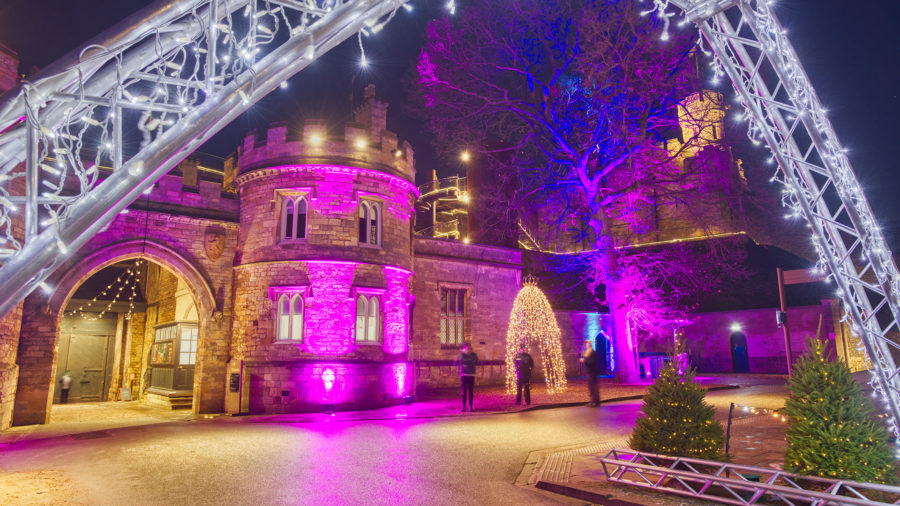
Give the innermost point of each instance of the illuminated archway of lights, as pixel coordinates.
(532, 323)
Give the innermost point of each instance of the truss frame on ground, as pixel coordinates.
(735, 484)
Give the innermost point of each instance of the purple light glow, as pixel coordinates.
(330, 317)
(339, 180)
(401, 372)
(328, 384)
(395, 181)
(328, 379)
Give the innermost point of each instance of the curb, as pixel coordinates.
(260, 418)
(583, 495)
(606, 401)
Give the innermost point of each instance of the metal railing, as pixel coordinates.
(454, 184)
(441, 230)
(737, 484)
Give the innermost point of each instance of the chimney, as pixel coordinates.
(372, 114)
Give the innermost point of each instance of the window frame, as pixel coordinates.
(277, 295)
(369, 294)
(444, 318)
(375, 207)
(295, 202)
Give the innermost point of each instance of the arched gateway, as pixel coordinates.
(43, 316)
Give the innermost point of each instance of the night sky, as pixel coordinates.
(850, 51)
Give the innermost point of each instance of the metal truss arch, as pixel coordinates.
(165, 80)
(783, 110)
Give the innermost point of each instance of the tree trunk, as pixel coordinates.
(625, 347)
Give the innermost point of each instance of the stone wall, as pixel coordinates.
(10, 323)
(708, 337)
(9, 68)
(576, 327)
(328, 265)
(491, 277)
(334, 195)
(299, 387)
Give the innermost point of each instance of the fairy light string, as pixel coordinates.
(88, 311)
(533, 322)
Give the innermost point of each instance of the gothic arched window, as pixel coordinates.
(369, 223)
(293, 218)
(289, 317)
(368, 319)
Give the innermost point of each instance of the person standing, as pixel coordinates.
(467, 361)
(590, 360)
(524, 365)
(65, 383)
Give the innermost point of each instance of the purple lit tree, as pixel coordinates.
(573, 98)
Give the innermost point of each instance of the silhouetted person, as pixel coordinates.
(467, 360)
(591, 362)
(65, 383)
(524, 365)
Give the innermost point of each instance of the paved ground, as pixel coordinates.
(462, 459)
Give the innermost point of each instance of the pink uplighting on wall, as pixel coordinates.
(328, 379)
(341, 169)
(402, 377)
(330, 316)
(396, 311)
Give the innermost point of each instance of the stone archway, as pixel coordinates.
(42, 317)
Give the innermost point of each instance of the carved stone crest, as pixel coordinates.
(214, 242)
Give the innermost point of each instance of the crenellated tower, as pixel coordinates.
(323, 264)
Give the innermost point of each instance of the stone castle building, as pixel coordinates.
(290, 278)
(286, 278)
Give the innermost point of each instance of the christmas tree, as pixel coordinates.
(532, 321)
(831, 432)
(677, 420)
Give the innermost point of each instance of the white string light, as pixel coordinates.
(130, 277)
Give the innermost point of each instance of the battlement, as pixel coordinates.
(363, 143)
(701, 116)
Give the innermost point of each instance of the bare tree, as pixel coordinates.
(579, 94)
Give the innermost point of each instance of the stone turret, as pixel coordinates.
(363, 143)
(323, 263)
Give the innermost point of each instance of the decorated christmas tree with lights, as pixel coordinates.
(532, 322)
(831, 431)
(677, 420)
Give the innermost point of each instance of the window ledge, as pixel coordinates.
(288, 341)
(287, 242)
(367, 245)
(369, 343)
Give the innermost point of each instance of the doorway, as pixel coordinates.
(86, 352)
(740, 362)
(606, 353)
